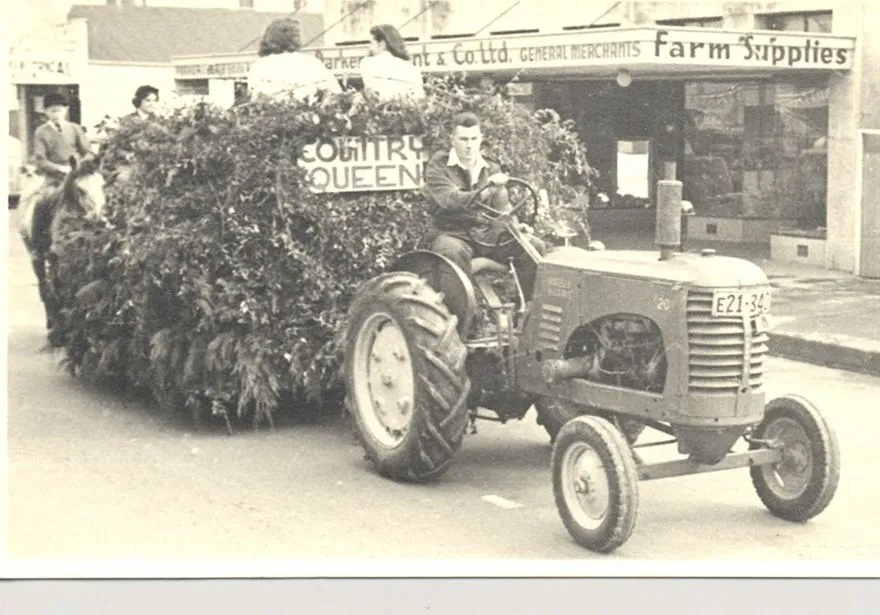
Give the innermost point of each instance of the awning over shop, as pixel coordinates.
(654, 51)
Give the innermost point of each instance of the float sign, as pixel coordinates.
(362, 164)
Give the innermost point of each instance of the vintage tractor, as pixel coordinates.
(611, 343)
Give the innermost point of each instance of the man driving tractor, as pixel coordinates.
(454, 180)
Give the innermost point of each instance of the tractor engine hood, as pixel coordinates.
(704, 270)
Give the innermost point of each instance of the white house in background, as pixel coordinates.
(100, 52)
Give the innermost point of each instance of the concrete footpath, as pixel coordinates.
(824, 317)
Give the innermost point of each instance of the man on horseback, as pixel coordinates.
(54, 143)
(71, 180)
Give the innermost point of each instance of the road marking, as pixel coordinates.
(497, 500)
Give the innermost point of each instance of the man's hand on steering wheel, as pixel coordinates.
(498, 179)
(502, 219)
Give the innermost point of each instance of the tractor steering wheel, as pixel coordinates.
(520, 194)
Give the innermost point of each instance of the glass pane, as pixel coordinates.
(633, 168)
(819, 22)
(758, 149)
(713, 145)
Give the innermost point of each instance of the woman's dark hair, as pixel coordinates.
(141, 93)
(281, 36)
(393, 41)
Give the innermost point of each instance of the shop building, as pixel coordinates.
(52, 59)
(768, 108)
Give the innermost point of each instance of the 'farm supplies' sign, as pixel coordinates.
(661, 49)
(360, 164)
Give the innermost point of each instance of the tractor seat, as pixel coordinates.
(482, 264)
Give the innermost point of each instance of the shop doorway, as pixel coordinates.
(869, 192)
(630, 133)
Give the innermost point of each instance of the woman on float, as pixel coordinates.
(283, 70)
(388, 72)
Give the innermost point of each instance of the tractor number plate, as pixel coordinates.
(740, 302)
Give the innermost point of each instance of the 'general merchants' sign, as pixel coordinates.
(590, 51)
(357, 164)
(662, 48)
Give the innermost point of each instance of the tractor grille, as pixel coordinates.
(718, 349)
(550, 326)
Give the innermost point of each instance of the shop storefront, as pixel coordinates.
(220, 78)
(748, 117)
(44, 62)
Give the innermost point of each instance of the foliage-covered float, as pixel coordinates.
(220, 280)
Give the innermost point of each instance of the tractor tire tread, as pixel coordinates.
(441, 384)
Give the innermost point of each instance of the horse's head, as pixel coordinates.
(86, 186)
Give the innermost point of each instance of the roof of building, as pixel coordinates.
(154, 34)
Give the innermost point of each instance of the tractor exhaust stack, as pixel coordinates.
(668, 230)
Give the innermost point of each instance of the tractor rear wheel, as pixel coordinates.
(553, 413)
(595, 483)
(801, 485)
(405, 376)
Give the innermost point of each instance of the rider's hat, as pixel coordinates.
(55, 99)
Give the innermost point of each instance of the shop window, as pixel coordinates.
(194, 87)
(241, 92)
(702, 22)
(758, 149)
(795, 22)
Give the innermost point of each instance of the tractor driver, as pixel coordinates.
(452, 178)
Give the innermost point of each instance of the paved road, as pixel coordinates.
(91, 476)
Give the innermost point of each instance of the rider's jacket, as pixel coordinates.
(55, 144)
(448, 188)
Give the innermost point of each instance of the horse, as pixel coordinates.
(80, 193)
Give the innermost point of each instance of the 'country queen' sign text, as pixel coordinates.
(357, 164)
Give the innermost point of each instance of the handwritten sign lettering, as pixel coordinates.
(353, 164)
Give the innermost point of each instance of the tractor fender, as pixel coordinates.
(445, 277)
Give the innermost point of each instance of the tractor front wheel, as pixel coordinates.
(803, 483)
(405, 377)
(595, 483)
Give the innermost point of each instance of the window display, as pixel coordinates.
(757, 149)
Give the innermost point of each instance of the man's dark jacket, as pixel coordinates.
(448, 188)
